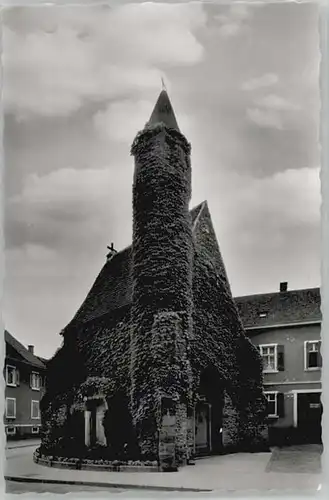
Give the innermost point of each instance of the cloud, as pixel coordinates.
(234, 21)
(272, 111)
(282, 201)
(277, 103)
(71, 209)
(121, 120)
(264, 118)
(266, 80)
(62, 58)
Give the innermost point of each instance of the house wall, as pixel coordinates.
(294, 377)
(24, 394)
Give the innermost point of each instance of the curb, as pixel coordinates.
(22, 479)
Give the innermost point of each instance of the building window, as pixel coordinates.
(35, 411)
(269, 355)
(35, 430)
(11, 376)
(35, 381)
(10, 431)
(11, 407)
(313, 359)
(272, 403)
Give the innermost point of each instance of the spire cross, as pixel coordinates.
(111, 252)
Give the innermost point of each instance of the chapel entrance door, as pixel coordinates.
(202, 429)
(209, 413)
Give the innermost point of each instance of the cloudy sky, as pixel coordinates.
(80, 82)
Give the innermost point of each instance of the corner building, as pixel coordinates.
(155, 365)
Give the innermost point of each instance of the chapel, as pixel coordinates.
(155, 365)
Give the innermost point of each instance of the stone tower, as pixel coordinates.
(161, 316)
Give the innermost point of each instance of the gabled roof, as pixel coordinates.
(280, 308)
(24, 353)
(112, 288)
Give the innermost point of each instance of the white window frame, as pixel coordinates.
(276, 402)
(275, 370)
(10, 399)
(38, 377)
(15, 376)
(35, 430)
(35, 401)
(8, 431)
(312, 368)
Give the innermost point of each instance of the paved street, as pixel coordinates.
(13, 487)
(293, 470)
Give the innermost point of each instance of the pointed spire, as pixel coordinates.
(163, 112)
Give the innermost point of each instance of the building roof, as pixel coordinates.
(280, 308)
(21, 349)
(112, 288)
(163, 112)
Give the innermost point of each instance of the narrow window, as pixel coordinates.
(11, 376)
(269, 356)
(35, 411)
(312, 355)
(35, 381)
(11, 407)
(272, 403)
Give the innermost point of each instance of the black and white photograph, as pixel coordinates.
(162, 227)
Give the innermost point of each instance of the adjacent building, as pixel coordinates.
(285, 326)
(24, 375)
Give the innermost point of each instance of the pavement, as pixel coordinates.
(22, 443)
(293, 470)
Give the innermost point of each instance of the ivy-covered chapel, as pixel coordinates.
(155, 365)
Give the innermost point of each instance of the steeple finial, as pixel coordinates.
(163, 111)
(163, 84)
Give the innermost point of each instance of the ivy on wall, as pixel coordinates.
(162, 277)
(182, 320)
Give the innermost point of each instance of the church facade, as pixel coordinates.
(155, 365)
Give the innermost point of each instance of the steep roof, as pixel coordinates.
(163, 112)
(280, 308)
(112, 288)
(25, 353)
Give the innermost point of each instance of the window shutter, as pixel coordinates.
(320, 355)
(280, 354)
(280, 404)
(17, 376)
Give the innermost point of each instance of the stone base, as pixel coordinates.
(96, 465)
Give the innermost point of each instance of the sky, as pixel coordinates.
(80, 82)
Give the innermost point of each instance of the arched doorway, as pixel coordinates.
(209, 413)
